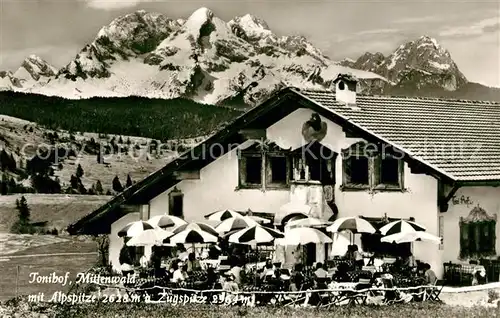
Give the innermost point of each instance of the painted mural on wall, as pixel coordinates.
(314, 129)
(477, 234)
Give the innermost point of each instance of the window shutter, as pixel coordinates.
(347, 170)
(464, 240)
(492, 232)
(377, 170)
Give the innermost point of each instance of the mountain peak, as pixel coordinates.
(33, 67)
(423, 60)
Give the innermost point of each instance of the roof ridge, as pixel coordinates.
(429, 98)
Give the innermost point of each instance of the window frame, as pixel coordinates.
(175, 194)
(242, 167)
(361, 149)
(266, 171)
(269, 184)
(472, 245)
(378, 184)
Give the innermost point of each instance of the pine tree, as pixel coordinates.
(98, 187)
(79, 171)
(120, 140)
(129, 181)
(74, 181)
(23, 210)
(117, 186)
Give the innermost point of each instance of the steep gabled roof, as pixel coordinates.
(413, 125)
(457, 137)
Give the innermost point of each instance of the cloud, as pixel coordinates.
(416, 19)
(377, 31)
(113, 4)
(478, 28)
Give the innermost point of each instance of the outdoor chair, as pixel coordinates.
(434, 292)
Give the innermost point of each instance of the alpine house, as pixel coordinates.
(432, 160)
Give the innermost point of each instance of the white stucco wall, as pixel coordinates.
(215, 189)
(486, 197)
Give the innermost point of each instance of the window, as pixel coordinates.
(477, 235)
(251, 170)
(262, 167)
(357, 170)
(389, 172)
(278, 170)
(341, 86)
(356, 166)
(365, 168)
(176, 203)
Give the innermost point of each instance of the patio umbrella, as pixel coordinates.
(166, 221)
(199, 226)
(255, 235)
(411, 237)
(236, 223)
(227, 214)
(307, 222)
(149, 237)
(223, 215)
(134, 228)
(353, 224)
(401, 226)
(303, 236)
(193, 233)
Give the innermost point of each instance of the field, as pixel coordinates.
(115, 310)
(23, 138)
(58, 210)
(45, 259)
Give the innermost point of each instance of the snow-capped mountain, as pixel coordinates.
(237, 62)
(33, 70)
(419, 64)
(202, 57)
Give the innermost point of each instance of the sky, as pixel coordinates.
(57, 29)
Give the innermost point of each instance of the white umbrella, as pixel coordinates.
(223, 215)
(134, 228)
(236, 223)
(411, 237)
(353, 224)
(255, 235)
(307, 222)
(149, 237)
(303, 236)
(193, 237)
(228, 213)
(193, 233)
(401, 226)
(166, 221)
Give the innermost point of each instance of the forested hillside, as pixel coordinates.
(135, 116)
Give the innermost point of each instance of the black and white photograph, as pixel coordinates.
(234, 158)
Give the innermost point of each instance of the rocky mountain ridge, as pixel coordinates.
(215, 62)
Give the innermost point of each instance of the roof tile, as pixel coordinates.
(459, 137)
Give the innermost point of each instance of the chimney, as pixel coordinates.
(345, 89)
